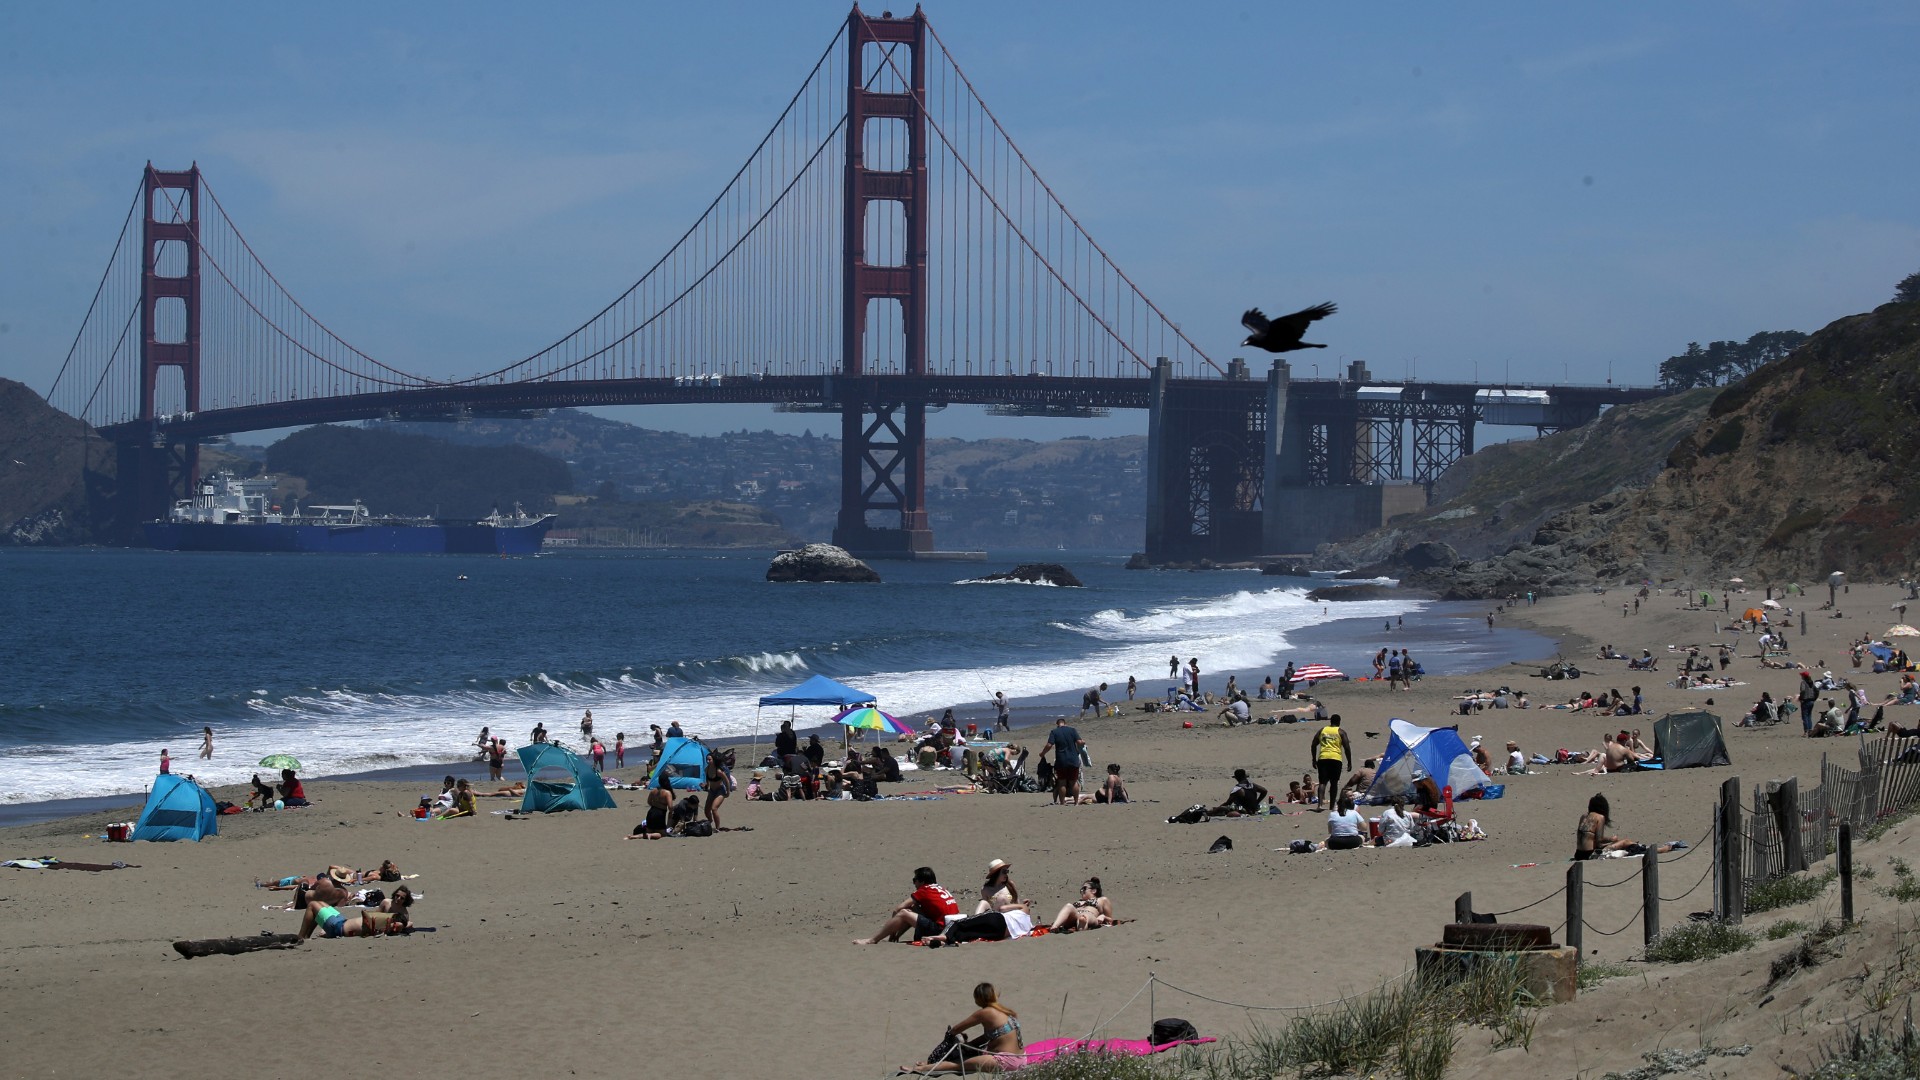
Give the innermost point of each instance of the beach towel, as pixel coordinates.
(1053, 1048)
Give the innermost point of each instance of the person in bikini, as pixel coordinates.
(331, 922)
(659, 803)
(1092, 910)
(1001, 1046)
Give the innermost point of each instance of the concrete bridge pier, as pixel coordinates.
(1206, 444)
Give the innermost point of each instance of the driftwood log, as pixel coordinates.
(234, 946)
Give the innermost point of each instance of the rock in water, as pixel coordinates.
(1042, 573)
(819, 562)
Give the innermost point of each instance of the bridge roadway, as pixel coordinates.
(1039, 392)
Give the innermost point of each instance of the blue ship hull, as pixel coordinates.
(439, 539)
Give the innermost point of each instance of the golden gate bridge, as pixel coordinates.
(885, 249)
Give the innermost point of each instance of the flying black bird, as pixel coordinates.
(1283, 334)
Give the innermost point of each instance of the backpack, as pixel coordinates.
(697, 828)
(1225, 843)
(1300, 847)
(1192, 815)
(1172, 1029)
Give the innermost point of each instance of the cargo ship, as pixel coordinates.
(232, 514)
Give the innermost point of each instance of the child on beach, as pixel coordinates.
(1294, 794)
(619, 749)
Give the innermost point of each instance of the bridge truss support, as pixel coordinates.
(883, 445)
(1206, 453)
(155, 471)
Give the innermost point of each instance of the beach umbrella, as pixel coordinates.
(1902, 630)
(1736, 581)
(1317, 673)
(872, 719)
(1752, 613)
(1770, 603)
(280, 761)
(867, 718)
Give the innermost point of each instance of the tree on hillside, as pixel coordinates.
(1908, 291)
(1726, 361)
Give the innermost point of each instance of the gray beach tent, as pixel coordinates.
(1684, 740)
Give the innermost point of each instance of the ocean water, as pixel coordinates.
(360, 663)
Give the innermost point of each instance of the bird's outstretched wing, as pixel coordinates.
(1254, 321)
(1295, 324)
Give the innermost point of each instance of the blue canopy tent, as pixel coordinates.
(177, 809)
(818, 690)
(559, 779)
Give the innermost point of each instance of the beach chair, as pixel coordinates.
(1444, 812)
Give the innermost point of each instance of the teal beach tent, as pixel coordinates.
(178, 809)
(685, 763)
(559, 779)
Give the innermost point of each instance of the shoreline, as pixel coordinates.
(1025, 712)
(518, 901)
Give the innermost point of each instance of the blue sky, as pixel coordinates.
(1555, 191)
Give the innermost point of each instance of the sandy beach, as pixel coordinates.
(559, 945)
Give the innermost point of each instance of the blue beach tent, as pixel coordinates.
(820, 690)
(559, 779)
(1415, 753)
(685, 763)
(178, 809)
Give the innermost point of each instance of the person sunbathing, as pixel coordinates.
(515, 790)
(1003, 925)
(331, 922)
(1612, 758)
(1091, 911)
(1001, 1046)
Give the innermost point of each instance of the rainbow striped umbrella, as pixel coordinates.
(872, 719)
(1317, 673)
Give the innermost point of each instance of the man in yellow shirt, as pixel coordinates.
(1331, 751)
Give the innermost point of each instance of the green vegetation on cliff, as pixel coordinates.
(415, 475)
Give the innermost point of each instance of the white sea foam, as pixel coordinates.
(343, 731)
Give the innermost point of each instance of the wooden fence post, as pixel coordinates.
(1783, 799)
(1576, 909)
(1731, 903)
(1463, 908)
(1846, 873)
(1650, 896)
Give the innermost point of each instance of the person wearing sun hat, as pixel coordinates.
(998, 892)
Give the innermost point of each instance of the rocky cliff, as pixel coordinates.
(1806, 466)
(54, 472)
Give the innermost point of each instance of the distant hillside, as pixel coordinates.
(1076, 492)
(56, 476)
(413, 475)
(1804, 467)
(1499, 496)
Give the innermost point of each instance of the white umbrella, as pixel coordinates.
(1736, 581)
(1770, 603)
(1902, 630)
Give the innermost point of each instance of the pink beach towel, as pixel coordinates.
(1052, 1048)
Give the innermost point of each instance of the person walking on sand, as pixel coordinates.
(1331, 750)
(206, 744)
(1193, 675)
(1002, 714)
(1173, 666)
(497, 760)
(166, 763)
(619, 750)
(1133, 686)
(1063, 742)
